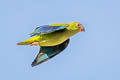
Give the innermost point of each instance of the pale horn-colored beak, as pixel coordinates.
(82, 29)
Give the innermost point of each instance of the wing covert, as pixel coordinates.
(46, 29)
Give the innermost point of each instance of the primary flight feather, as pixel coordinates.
(50, 38)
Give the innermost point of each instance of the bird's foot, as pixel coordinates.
(34, 44)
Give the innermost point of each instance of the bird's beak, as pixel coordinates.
(82, 29)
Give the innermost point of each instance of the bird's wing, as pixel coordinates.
(47, 29)
(46, 53)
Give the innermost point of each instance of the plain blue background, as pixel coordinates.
(91, 55)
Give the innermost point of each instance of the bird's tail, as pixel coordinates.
(29, 41)
(24, 43)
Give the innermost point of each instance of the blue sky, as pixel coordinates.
(91, 55)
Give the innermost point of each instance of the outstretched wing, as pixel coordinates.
(46, 29)
(46, 53)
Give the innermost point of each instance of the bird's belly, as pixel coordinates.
(51, 42)
(53, 39)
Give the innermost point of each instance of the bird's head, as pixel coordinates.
(76, 26)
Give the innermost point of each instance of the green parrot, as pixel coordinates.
(52, 39)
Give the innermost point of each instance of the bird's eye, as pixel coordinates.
(78, 25)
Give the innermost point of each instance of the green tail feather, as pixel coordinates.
(23, 43)
(29, 41)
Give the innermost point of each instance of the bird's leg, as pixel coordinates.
(35, 44)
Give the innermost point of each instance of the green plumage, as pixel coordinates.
(52, 39)
(56, 37)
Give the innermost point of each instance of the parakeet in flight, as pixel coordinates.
(52, 39)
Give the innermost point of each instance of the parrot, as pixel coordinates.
(52, 39)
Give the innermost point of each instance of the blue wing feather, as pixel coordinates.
(46, 29)
(48, 52)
